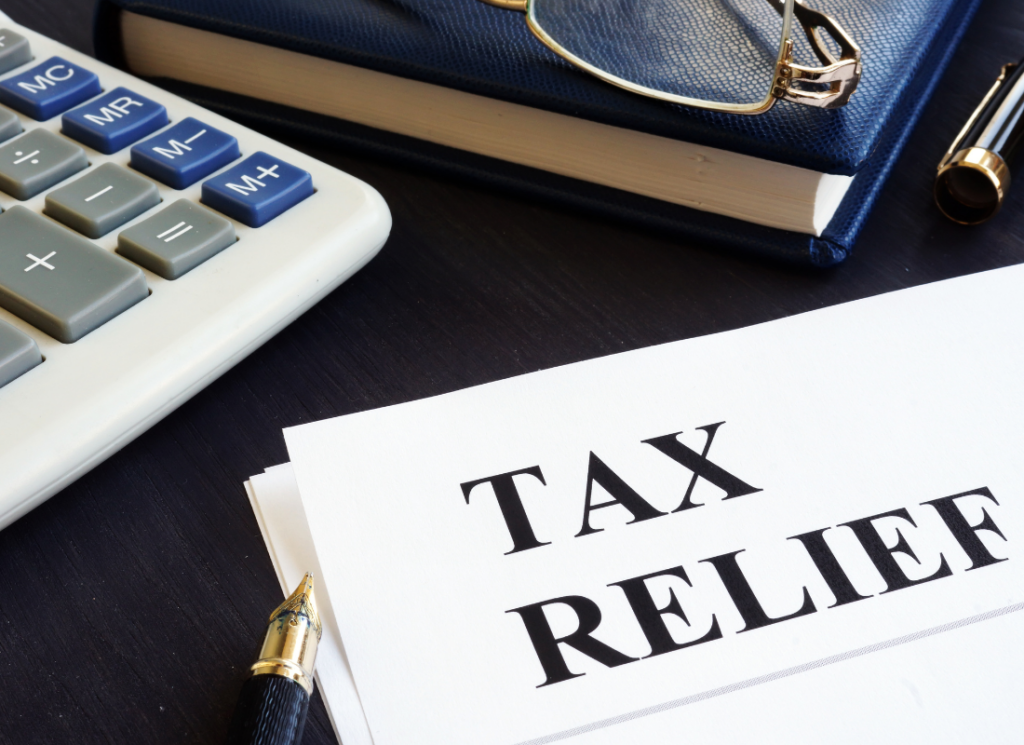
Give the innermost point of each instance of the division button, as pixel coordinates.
(58, 281)
(114, 120)
(14, 50)
(36, 161)
(185, 153)
(49, 88)
(19, 353)
(258, 189)
(102, 200)
(176, 239)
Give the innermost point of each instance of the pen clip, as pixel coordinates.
(1004, 74)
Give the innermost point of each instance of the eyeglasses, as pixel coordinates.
(735, 56)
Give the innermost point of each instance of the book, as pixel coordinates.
(463, 88)
(758, 535)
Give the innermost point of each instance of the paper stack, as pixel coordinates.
(805, 531)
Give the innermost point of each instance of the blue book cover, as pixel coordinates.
(469, 46)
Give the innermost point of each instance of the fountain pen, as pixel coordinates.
(272, 705)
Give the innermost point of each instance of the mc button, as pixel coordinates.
(49, 89)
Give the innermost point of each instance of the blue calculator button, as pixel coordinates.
(114, 121)
(258, 189)
(185, 153)
(49, 89)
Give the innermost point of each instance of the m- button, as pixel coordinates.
(185, 153)
(258, 189)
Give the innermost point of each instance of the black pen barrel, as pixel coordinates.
(271, 710)
(1000, 129)
(272, 706)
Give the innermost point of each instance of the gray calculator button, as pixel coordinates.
(18, 353)
(59, 282)
(102, 200)
(14, 50)
(176, 239)
(10, 124)
(37, 161)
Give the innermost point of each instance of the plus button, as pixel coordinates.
(40, 262)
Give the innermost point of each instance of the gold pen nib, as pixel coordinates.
(293, 631)
(301, 603)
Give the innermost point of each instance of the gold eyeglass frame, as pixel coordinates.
(828, 87)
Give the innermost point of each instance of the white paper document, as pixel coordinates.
(803, 531)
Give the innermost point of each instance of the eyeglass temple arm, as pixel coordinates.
(840, 75)
(519, 5)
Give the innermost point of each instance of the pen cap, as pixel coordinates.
(974, 175)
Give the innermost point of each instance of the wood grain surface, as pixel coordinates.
(131, 603)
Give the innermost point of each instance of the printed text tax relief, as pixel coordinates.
(650, 617)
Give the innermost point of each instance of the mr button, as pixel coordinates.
(114, 121)
(258, 189)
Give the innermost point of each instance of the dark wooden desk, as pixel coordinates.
(130, 603)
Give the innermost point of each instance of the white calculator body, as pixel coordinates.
(97, 341)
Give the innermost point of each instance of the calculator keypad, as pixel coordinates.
(102, 200)
(59, 282)
(36, 161)
(176, 239)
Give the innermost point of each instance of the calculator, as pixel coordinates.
(146, 246)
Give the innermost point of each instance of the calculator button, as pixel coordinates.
(10, 124)
(258, 189)
(14, 50)
(49, 88)
(58, 281)
(113, 121)
(37, 161)
(185, 153)
(102, 200)
(176, 239)
(18, 353)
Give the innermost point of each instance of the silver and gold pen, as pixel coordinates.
(974, 175)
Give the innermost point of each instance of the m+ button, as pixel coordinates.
(258, 189)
